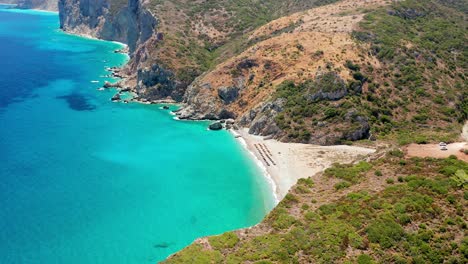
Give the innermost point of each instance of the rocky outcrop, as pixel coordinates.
(157, 83)
(112, 85)
(200, 103)
(261, 120)
(360, 128)
(228, 94)
(327, 86)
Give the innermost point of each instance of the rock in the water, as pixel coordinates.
(116, 97)
(111, 85)
(165, 107)
(216, 126)
(126, 89)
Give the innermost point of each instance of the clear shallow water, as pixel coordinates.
(84, 180)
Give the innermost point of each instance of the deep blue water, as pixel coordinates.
(84, 180)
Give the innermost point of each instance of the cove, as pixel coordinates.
(84, 180)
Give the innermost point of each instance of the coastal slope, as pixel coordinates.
(390, 209)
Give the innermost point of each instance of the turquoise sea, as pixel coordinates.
(84, 180)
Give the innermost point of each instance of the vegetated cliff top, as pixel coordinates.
(389, 210)
(402, 65)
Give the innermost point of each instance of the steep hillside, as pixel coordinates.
(388, 210)
(345, 71)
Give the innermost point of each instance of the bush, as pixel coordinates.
(385, 232)
(342, 185)
(226, 240)
(350, 65)
(349, 173)
(365, 259)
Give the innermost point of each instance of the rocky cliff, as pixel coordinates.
(128, 23)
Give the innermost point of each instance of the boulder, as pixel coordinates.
(230, 121)
(216, 126)
(165, 107)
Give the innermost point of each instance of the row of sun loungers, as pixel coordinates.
(265, 154)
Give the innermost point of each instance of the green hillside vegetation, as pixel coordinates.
(419, 94)
(418, 217)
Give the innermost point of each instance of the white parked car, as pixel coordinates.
(443, 148)
(442, 144)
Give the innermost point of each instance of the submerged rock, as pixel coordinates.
(165, 107)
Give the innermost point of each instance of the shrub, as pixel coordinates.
(385, 232)
(365, 259)
(226, 240)
(396, 153)
(342, 185)
(350, 65)
(349, 173)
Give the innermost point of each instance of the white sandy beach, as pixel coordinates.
(285, 163)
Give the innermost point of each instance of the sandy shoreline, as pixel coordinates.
(285, 163)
